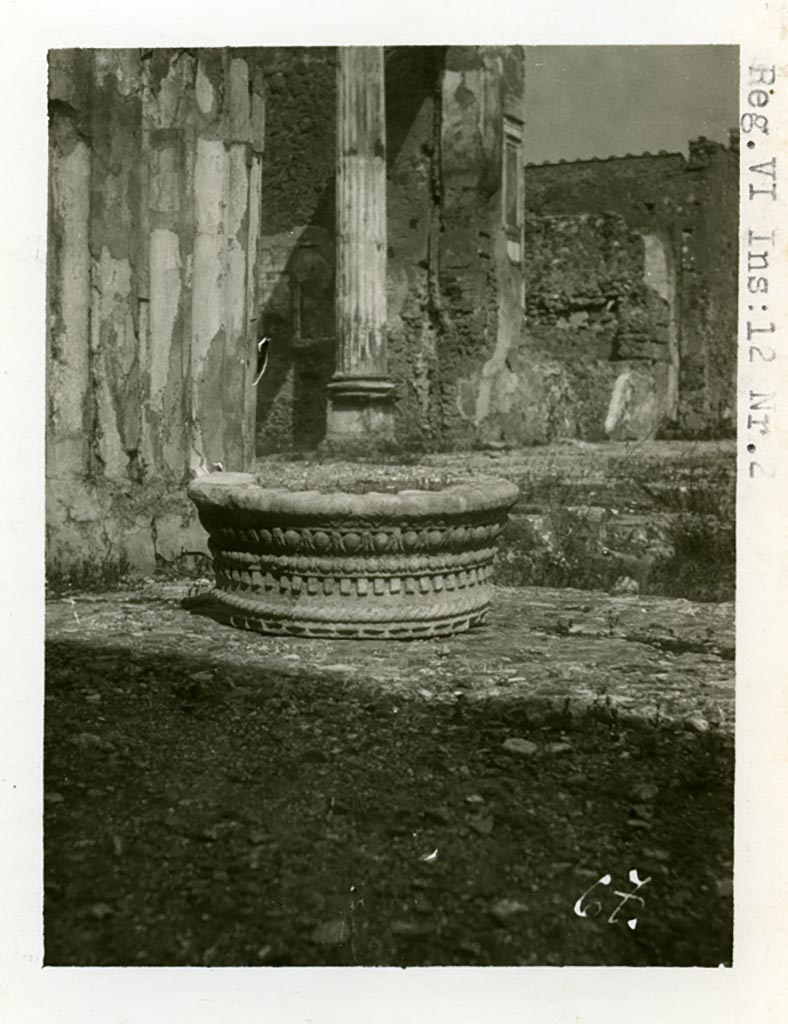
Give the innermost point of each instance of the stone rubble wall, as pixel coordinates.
(155, 172)
(481, 285)
(296, 266)
(595, 359)
(691, 207)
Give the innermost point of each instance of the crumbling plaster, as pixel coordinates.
(154, 191)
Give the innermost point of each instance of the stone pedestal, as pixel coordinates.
(359, 405)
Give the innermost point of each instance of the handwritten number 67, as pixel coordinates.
(593, 907)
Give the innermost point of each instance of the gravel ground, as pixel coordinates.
(217, 797)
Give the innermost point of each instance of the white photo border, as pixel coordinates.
(754, 989)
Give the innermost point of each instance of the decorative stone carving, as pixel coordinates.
(327, 552)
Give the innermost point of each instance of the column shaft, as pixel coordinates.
(359, 393)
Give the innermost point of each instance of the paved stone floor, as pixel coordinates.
(554, 649)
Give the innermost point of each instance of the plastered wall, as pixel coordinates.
(155, 166)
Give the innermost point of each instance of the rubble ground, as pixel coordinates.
(219, 797)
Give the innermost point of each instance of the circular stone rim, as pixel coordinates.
(243, 492)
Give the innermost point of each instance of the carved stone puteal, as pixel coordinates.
(330, 553)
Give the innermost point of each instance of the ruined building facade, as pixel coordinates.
(194, 210)
(454, 287)
(631, 277)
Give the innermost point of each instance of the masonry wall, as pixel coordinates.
(481, 276)
(296, 264)
(454, 297)
(414, 199)
(154, 199)
(709, 265)
(691, 208)
(596, 358)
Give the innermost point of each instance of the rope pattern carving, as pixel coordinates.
(360, 631)
(358, 615)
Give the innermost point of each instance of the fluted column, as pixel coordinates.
(360, 390)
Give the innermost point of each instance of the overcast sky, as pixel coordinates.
(584, 101)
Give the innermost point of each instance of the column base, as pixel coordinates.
(360, 411)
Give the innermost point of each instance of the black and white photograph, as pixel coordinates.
(406, 411)
(391, 506)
